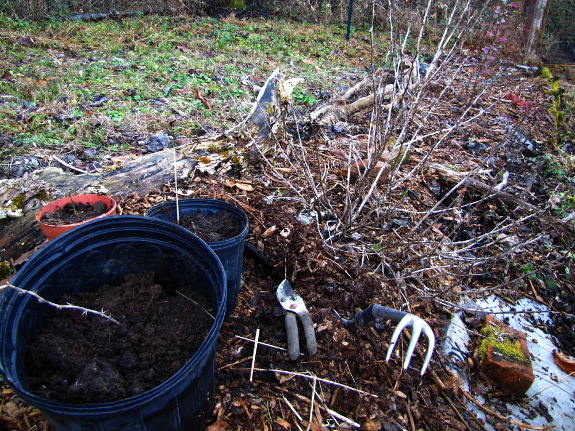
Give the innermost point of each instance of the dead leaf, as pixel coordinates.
(41, 83)
(554, 201)
(239, 185)
(283, 423)
(202, 99)
(218, 426)
(361, 166)
(565, 363)
(400, 394)
(269, 231)
(244, 187)
(371, 426)
(6, 74)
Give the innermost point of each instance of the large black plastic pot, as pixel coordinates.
(230, 251)
(100, 253)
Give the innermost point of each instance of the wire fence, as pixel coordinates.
(558, 39)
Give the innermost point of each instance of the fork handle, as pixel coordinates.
(375, 311)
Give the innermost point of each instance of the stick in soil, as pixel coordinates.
(73, 204)
(296, 414)
(58, 306)
(312, 403)
(254, 355)
(176, 186)
(329, 411)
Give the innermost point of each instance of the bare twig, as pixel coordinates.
(69, 166)
(312, 403)
(322, 406)
(306, 376)
(554, 384)
(297, 415)
(84, 311)
(261, 344)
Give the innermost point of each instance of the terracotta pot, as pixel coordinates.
(52, 231)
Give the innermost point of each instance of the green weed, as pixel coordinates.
(302, 97)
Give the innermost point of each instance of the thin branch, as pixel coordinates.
(289, 373)
(84, 311)
(261, 344)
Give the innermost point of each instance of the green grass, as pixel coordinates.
(145, 66)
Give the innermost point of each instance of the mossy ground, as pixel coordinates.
(86, 85)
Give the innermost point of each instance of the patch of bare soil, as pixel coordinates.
(87, 359)
(74, 213)
(220, 226)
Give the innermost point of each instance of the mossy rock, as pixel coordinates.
(500, 340)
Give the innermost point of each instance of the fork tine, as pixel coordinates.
(404, 322)
(416, 324)
(431, 345)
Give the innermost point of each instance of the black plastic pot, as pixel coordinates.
(229, 251)
(102, 252)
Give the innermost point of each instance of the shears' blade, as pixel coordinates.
(288, 299)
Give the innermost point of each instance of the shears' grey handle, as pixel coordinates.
(292, 336)
(309, 333)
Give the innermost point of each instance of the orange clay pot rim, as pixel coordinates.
(59, 204)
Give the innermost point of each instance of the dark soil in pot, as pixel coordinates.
(218, 227)
(88, 359)
(71, 214)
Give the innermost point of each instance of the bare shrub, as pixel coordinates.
(361, 189)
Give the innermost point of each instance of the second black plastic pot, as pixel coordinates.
(229, 251)
(100, 253)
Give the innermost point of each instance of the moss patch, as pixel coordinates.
(501, 341)
(19, 201)
(5, 270)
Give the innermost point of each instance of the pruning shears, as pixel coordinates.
(294, 306)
